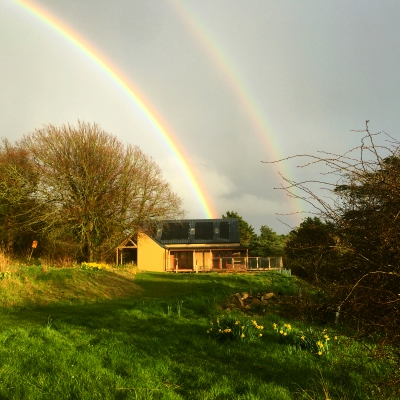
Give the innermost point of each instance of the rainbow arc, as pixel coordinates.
(163, 131)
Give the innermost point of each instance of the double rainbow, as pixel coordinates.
(210, 46)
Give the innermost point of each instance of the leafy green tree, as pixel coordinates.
(269, 243)
(246, 231)
(312, 247)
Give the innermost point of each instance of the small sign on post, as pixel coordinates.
(34, 245)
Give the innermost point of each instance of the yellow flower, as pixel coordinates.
(218, 320)
(320, 353)
(261, 327)
(281, 332)
(237, 323)
(208, 331)
(303, 337)
(335, 337)
(260, 335)
(275, 327)
(219, 330)
(242, 327)
(242, 336)
(285, 334)
(320, 344)
(326, 337)
(211, 323)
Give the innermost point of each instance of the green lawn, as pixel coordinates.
(148, 340)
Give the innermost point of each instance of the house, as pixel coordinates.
(190, 245)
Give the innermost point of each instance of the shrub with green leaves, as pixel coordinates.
(234, 329)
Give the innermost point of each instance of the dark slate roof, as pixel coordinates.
(198, 231)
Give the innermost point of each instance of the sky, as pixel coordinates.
(233, 83)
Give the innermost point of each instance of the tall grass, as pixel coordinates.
(4, 261)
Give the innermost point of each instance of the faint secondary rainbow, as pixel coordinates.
(228, 71)
(162, 129)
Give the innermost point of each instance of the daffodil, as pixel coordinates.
(320, 353)
(237, 323)
(260, 335)
(242, 336)
(303, 337)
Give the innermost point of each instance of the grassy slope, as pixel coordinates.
(101, 335)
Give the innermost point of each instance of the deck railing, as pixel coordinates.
(230, 264)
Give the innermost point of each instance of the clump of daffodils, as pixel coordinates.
(316, 342)
(94, 266)
(234, 329)
(5, 275)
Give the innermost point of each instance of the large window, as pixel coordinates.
(182, 259)
(221, 258)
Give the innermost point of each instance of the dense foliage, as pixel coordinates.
(355, 252)
(267, 244)
(311, 249)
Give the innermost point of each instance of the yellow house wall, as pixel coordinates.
(151, 256)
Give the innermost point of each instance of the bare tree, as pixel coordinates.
(364, 209)
(94, 188)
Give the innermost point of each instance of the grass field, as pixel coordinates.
(73, 334)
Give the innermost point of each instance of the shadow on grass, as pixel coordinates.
(144, 335)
